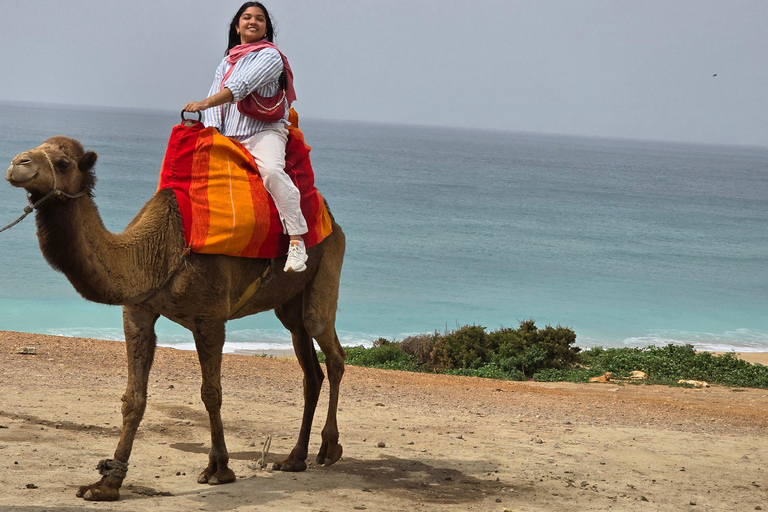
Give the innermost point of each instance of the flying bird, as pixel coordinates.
(714, 75)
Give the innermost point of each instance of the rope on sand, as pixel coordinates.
(262, 462)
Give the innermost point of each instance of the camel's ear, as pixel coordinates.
(87, 161)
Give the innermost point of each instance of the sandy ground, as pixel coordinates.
(449, 443)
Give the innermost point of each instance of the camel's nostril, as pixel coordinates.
(24, 161)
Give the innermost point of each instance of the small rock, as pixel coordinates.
(758, 507)
(692, 503)
(3, 426)
(498, 500)
(643, 498)
(379, 404)
(694, 383)
(170, 387)
(27, 351)
(360, 507)
(606, 377)
(31, 486)
(381, 444)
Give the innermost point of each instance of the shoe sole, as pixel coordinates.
(291, 269)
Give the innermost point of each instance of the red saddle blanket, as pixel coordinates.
(224, 206)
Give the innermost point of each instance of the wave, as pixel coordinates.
(249, 340)
(737, 340)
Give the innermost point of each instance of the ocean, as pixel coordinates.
(629, 243)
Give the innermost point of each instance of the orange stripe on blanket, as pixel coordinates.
(198, 189)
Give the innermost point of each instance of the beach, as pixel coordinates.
(411, 441)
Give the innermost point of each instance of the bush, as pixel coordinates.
(464, 348)
(421, 348)
(531, 350)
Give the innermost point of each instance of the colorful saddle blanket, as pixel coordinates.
(224, 206)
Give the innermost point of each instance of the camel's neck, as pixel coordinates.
(106, 267)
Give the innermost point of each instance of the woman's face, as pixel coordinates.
(252, 26)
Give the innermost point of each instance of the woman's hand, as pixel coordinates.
(195, 106)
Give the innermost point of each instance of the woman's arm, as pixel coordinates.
(220, 98)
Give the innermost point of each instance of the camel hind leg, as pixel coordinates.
(290, 314)
(320, 320)
(330, 449)
(139, 327)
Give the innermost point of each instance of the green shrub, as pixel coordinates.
(548, 355)
(466, 347)
(489, 371)
(388, 356)
(531, 350)
(565, 375)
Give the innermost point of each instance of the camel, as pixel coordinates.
(141, 270)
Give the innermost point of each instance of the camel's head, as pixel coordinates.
(59, 163)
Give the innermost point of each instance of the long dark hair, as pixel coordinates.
(234, 37)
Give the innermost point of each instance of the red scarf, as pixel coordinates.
(240, 51)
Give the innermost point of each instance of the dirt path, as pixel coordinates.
(449, 443)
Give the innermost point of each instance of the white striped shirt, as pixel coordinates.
(257, 71)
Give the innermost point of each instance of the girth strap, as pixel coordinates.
(248, 293)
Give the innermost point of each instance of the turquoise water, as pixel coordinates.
(630, 243)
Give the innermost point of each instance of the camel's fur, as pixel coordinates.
(141, 270)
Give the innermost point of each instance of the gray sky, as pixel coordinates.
(622, 68)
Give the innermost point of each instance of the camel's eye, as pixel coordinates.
(62, 165)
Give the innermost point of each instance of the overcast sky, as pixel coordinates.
(624, 68)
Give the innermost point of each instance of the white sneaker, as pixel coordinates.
(297, 258)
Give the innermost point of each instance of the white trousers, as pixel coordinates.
(268, 149)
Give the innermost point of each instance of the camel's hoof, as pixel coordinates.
(220, 478)
(290, 465)
(329, 455)
(98, 493)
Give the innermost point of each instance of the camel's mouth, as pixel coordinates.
(20, 175)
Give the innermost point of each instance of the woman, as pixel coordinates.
(254, 65)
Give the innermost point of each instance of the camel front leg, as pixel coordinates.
(140, 340)
(209, 340)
